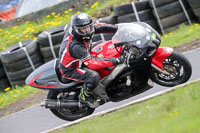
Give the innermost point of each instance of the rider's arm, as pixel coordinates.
(105, 28)
(80, 52)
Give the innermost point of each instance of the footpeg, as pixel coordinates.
(42, 104)
(150, 83)
(128, 81)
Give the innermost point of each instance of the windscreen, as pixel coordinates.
(128, 32)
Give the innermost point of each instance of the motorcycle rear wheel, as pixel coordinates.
(178, 67)
(68, 114)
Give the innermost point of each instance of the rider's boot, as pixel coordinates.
(87, 97)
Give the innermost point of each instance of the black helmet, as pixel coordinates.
(82, 25)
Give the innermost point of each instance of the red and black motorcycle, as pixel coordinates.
(145, 62)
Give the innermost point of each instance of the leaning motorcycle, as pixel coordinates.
(145, 63)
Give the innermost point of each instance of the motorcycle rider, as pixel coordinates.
(76, 62)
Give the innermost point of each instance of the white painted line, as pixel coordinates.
(120, 107)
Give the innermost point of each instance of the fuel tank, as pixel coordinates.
(106, 50)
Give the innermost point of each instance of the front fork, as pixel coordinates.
(157, 61)
(159, 69)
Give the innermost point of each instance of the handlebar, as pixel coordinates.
(131, 57)
(119, 44)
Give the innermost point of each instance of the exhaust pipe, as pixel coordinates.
(57, 104)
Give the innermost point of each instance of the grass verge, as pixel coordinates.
(174, 112)
(13, 95)
(184, 34)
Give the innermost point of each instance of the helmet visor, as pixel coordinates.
(85, 30)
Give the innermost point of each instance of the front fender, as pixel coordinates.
(161, 54)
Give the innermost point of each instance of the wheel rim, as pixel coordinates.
(173, 67)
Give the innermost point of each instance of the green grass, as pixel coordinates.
(184, 34)
(174, 112)
(12, 95)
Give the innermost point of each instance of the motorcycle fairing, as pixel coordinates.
(161, 54)
(45, 77)
(34, 83)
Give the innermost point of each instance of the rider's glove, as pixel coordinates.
(120, 60)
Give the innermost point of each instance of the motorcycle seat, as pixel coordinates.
(67, 81)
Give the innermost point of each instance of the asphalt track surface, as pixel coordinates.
(37, 119)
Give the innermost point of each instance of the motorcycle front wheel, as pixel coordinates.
(68, 114)
(178, 67)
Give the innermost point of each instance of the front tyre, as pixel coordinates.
(68, 114)
(178, 67)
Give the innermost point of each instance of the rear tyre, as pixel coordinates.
(194, 3)
(196, 12)
(128, 8)
(144, 15)
(109, 20)
(68, 114)
(160, 2)
(175, 19)
(57, 35)
(179, 68)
